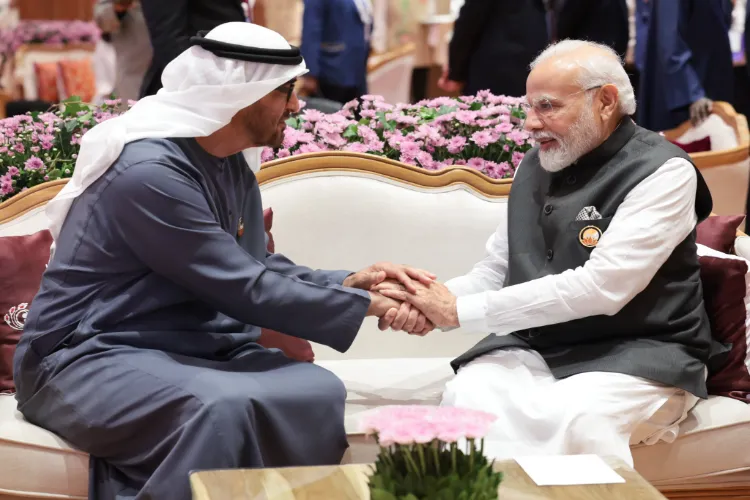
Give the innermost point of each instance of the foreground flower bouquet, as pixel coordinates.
(420, 456)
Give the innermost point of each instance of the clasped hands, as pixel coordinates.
(404, 298)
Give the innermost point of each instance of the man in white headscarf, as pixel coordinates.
(140, 347)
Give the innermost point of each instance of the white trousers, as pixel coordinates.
(591, 413)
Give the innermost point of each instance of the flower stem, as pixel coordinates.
(420, 452)
(437, 457)
(410, 460)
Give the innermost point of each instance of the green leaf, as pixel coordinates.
(476, 106)
(378, 494)
(350, 132)
(444, 110)
(293, 122)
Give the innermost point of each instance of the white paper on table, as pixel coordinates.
(564, 470)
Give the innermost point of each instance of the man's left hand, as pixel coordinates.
(371, 276)
(435, 301)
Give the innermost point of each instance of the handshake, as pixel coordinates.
(406, 299)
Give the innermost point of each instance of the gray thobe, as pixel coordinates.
(140, 347)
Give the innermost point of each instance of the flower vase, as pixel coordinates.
(431, 453)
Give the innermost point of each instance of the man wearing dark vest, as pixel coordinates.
(590, 291)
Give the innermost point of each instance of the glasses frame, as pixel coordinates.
(287, 88)
(541, 116)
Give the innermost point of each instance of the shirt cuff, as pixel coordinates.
(472, 312)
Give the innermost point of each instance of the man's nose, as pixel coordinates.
(293, 104)
(532, 122)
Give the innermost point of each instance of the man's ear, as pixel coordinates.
(609, 99)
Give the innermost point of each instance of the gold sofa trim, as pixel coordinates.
(341, 161)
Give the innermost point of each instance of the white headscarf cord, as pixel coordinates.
(201, 93)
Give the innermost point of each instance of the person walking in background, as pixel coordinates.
(336, 46)
(171, 24)
(684, 58)
(493, 43)
(123, 22)
(600, 21)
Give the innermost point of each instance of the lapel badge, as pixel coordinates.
(589, 236)
(240, 228)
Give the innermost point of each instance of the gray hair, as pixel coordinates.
(602, 68)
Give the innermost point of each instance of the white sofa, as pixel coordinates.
(345, 210)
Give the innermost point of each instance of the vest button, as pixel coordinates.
(550, 254)
(571, 180)
(547, 209)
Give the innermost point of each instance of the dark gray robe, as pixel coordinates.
(140, 347)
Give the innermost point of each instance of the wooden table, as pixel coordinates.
(349, 482)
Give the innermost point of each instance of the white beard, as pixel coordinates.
(581, 139)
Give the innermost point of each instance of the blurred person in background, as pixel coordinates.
(123, 23)
(600, 21)
(684, 58)
(336, 45)
(493, 44)
(171, 24)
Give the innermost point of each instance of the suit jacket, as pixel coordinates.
(683, 54)
(171, 24)
(601, 21)
(334, 44)
(493, 43)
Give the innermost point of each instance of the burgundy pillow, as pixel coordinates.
(719, 232)
(699, 146)
(293, 347)
(23, 260)
(724, 291)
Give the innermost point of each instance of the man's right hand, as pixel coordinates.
(448, 85)
(398, 315)
(700, 110)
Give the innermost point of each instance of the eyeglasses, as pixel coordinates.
(287, 88)
(546, 108)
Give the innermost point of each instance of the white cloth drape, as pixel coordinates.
(201, 93)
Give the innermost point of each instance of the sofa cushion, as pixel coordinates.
(726, 291)
(719, 232)
(36, 463)
(22, 262)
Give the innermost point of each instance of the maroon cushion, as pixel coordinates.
(699, 146)
(293, 347)
(23, 260)
(724, 291)
(719, 232)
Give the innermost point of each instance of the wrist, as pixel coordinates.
(452, 319)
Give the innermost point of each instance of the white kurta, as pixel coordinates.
(594, 412)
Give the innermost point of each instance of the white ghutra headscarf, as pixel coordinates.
(201, 93)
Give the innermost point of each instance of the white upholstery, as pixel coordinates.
(722, 134)
(392, 80)
(351, 221)
(35, 462)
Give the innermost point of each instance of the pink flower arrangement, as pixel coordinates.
(48, 33)
(481, 132)
(41, 147)
(420, 456)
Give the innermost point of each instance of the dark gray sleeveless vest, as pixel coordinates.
(663, 334)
